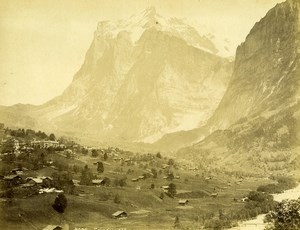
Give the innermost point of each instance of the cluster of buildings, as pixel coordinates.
(45, 144)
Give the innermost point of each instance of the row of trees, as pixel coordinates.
(29, 133)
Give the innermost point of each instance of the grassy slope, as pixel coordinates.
(92, 210)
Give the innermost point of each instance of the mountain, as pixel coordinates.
(142, 77)
(257, 121)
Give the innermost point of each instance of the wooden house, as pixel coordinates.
(183, 202)
(119, 214)
(13, 179)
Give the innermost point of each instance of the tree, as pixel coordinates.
(86, 176)
(152, 186)
(60, 203)
(95, 153)
(221, 214)
(285, 216)
(171, 162)
(172, 190)
(1, 126)
(170, 176)
(161, 196)
(106, 181)
(176, 222)
(52, 137)
(158, 155)
(105, 156)
(120, 182)
(154, 172)
(8, 146)
(9, 158)
(100, 167)
(117, 199)
(84, 151)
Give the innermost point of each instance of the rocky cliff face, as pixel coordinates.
(266, 77)
(142, 77)
(258, 116)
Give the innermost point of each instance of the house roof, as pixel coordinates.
(52, 227)
(97, 181)
(165, 186)
(117, 213)
(10, 177)
(36, 180)
(46, 177)
(17, 169)
(183, 201)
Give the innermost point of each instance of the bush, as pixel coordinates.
(172, 190)
(117, 199)
(60, 203)
(95, 153)
(100, 167)
(285, 216)
(120, 182)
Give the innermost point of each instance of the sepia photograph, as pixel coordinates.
(149, 114)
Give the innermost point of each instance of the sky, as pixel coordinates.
(43, 42)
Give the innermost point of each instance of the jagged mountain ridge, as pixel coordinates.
(257, 121)
(142, 77)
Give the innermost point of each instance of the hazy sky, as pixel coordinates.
(43, 42)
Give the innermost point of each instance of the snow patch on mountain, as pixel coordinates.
(195, 35)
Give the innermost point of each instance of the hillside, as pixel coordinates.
(136, 183)
(258, 117)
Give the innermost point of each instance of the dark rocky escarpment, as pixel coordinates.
(258, 120)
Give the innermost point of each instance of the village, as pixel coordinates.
(111, 186)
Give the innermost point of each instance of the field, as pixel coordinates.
(92, 206)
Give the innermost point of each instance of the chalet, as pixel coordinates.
(165, 188)
(16, 144)
(164, 166)
(52, 227)
(135, 179)
(76, 182)
(17, 171)
(13, 179)
(214, 195)
(193, 168)
(177, 177)
(49, 162)
(244, 199)
(119, 215)
(127, 160)
(183, 202)
(98, 182)
(165, 177)
(47, 181)
(45, 144)
(141, 177)
(34, 181)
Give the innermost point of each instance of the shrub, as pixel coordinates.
(60, 203)
(117, 199)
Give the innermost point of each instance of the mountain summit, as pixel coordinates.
(142, 77)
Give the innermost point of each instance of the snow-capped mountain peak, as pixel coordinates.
(136, 24)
